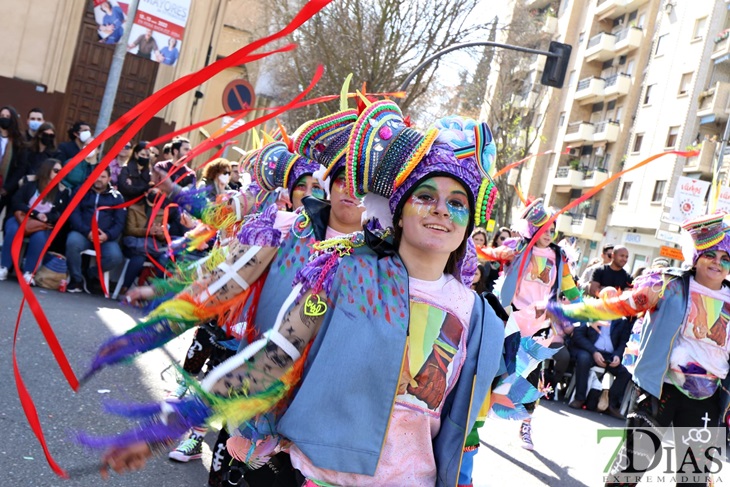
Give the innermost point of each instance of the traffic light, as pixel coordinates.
(556, 67)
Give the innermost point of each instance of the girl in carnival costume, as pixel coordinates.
(381, 324)
(681, 373)
(546, 273)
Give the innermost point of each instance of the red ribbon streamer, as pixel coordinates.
(143, 112)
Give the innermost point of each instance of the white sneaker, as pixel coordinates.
(3, 273)
(526, 435)
(28, 277)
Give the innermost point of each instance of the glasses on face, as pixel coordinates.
(502, 238)
(127, 147)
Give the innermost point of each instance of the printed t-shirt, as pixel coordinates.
(534, 289)
(438, 325)
(701, 350)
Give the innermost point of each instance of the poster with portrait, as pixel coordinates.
(158, 30)
(110, 16)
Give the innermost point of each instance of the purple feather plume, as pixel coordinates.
(259, 230)
(159, 427)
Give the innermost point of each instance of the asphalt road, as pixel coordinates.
(566, 451)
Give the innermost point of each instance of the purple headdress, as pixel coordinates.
(325, 140)
(277, 167)
(708, 232)
(534, 216)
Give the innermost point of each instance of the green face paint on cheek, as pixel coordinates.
(318, 193)
(459, 215)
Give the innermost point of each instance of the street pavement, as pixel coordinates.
(566, 451)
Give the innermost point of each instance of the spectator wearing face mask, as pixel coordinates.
(11, 142)
(134, 178)
(82, 170)
(78, 134)
(144, 233)
(42, 147)
(34, 122)
(216, 176)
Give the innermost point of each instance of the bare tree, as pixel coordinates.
(379, 41)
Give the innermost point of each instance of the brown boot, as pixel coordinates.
(603, 401)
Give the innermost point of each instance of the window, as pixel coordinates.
(637, 142)
(561, 120)
(660, 44)
(618, 114)
(672, 137)
(625, 191)
(658, 195)
(611, 105)
(684, 84)
(581, 36)
(571, 79)
(647, 95)
(607, 64)
(699, 29)
(597, 107)
(629, 69)
(618, 21)
(632, 15)
(642, 20)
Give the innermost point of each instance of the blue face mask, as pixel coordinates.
(34, 124)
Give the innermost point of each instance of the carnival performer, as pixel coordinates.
(546, 272)
(681, 373)
(382, 324)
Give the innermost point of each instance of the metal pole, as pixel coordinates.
(115, 72)
(464, 45)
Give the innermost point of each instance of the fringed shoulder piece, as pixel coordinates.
(319, 272)
(259, 229)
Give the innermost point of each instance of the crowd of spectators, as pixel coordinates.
(122, 213)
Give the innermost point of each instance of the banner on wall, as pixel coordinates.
(723, 201)
(689, 199)
(157, 31)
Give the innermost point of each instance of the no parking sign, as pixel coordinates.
(237, 95)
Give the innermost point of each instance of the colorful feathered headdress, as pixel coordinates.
(708, 232)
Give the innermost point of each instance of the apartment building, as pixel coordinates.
(683, 105)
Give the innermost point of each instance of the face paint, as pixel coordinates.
(724, 260)
(426, 196)
(318, 193)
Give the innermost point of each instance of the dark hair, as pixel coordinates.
(141, 145)
(39, 133)
(107, 170)
(44, 176)
(167, 148)
(16, 138)
(607, 247)
(479, 231)
(495, 239)
(76, 127)
(638, 272)
(177, 143)
(36, 110)
(481, 285)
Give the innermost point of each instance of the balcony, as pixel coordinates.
(713, 103)
(617, 85)
(594, 177)
(702, 163)
(577, 225)
(579, 132)
(606, 131)
(537, 3)
(721, 51)
(610, 9)
(589, 90)
(627, 40)
(601, 47)
(568, 176)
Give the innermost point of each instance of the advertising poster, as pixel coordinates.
(158, 28)
(689, 199)
(723, 201)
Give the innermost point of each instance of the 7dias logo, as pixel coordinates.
(664, 455)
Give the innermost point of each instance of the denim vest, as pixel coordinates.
(509, 284)
(293, 253)
(340, 414)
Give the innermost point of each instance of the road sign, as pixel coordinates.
(671, 252)
(237, 95)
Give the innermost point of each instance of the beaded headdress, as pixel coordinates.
(383, 150)
(325, 140)
(708, 232)
(277, 167)
(533, 217)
